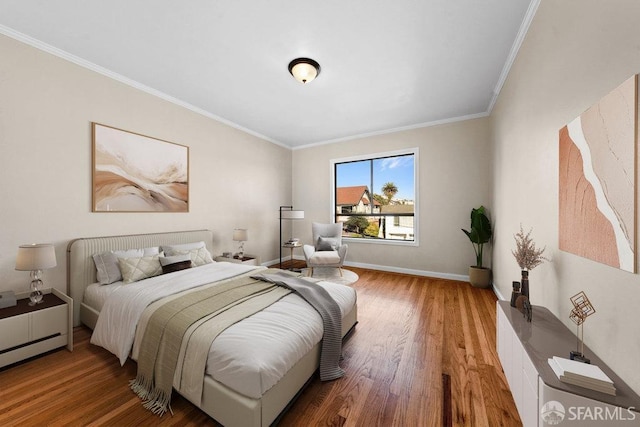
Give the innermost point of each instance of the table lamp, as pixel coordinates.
(240, 235)
(35, 258)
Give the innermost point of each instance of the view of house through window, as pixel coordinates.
(375, 198)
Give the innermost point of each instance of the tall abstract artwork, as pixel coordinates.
(597, 186)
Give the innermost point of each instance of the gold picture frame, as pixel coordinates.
(137, 173)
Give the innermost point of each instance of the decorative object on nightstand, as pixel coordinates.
(7, 299)
(35, 258)
(527, 256)
(240, 235)
(287, 212)
(582, 308)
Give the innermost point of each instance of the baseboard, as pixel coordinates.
(497, 292)
(426, 273)
(391, 269)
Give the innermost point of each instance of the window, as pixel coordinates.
(376, 196)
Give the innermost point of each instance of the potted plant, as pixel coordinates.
(479, 234)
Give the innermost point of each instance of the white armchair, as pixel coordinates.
(327, 249)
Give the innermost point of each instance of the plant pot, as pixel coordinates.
(480, 277)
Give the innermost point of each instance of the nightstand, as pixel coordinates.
(27, 331)
(247, 259)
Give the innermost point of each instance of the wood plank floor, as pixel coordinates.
(411, 331)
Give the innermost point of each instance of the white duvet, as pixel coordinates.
(248, 357)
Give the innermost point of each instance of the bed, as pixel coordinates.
(219, 400)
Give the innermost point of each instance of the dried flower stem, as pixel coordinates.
(526, 254)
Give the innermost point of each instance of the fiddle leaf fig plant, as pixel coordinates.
(480, 232)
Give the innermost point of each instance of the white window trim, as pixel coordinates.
(416, 216)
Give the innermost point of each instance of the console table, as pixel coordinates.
(524, 349)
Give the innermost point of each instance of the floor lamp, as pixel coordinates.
(287, 212)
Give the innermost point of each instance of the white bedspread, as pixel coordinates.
(116, 326)
(248, 357)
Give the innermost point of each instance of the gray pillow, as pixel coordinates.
(327, 244)
(107, 268)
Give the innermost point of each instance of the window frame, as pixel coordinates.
(373, 156)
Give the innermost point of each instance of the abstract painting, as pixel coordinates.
(597, 182)
(137, 173)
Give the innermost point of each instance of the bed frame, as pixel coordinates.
(220, 402)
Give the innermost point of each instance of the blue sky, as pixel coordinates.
(399, 170)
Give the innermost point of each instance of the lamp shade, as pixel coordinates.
(240, 235)
(292, 214)
(36, 257)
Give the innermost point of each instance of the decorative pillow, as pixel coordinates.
(170, 250)
(108, 269)
(175, 263)
(327, 244)
(134, 269)
(199, 256)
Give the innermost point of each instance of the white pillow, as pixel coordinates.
(108, 269)
(170, 250)
(199, 256)
(134, 269)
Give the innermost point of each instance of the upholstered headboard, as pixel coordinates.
(81, 270)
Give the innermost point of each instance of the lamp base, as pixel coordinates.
(36, 294)
(578, 357)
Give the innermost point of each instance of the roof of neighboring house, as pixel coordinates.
(351, 196)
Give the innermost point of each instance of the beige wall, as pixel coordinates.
(453, 174)
(46, 107)
(575, 52)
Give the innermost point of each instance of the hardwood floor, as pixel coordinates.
(418, 341)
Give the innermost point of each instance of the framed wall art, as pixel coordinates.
(138, 173)
(597, 181)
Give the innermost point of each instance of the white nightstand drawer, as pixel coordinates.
(14, 331)
(48, 322)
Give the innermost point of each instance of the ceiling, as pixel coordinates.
(385, 65)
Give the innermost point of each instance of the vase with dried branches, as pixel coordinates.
(527, 256)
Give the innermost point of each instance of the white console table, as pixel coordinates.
(524, 349)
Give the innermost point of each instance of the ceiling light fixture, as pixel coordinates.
(304, 69)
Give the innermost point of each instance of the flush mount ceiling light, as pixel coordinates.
(304, 69)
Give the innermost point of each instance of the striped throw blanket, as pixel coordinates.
(329, 310)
